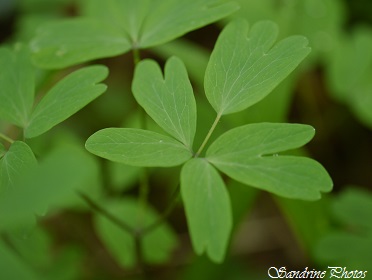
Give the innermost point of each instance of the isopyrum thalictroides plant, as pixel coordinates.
(244, 67)
(246, 64)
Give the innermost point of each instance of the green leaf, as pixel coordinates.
(249, 154)
(148, 23)
(12, 267)
(353, 207)
(194, 56)
(351, 244)
(243, 70)
(16, 161)
(168, 20)
(123, 176)
(33, 246)
(344, 249)
(17, 85)
(156, 245)
(137, 147)
(350, 64)
(64, 43)
(115, 26)
(66, 98)
(169, 101)
(207, 207)
(361, 102)
(47, 186)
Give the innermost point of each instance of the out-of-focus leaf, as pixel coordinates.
(350, 64)
(351, 245)
(137, 147)
(66, 98)
(169, 100)
(123, 176)
(349, 72)
(208, 208)
(353, 207)
(156, 245)
(17, 85)
(248, 154)
(12, 267)
(34, 247)
(114, 27)
(47, 186)
(362, 102)
(245, 67)
(147, 23)
(16, 161)
(63, 43)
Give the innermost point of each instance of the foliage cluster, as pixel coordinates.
(81, 135)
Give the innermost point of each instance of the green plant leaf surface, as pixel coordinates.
(156, 246)
(192, 54)
(351, 63)
(68, 42)
(123, 176)
(243, 70)
(137, 147)
(208, 209)
(17, 160)
(17, 85)
(46, 186)
(353, 207)
(345, 249)
(33, 246)
(249, 154)
(349, 245)
(13, 267)
(148, 23)
(66, 98)
(169, 101)
(113, 27)
(361, 102)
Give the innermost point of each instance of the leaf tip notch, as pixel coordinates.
(246, 64)
(167, 98)
(249, 154)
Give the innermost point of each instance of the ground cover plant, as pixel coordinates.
(132, 148)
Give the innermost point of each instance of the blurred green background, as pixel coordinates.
(331, 90)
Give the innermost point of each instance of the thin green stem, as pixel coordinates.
(136, 56)
(124, 226)
(206, 139)
(165, 214)
(143, 195)
(135, 233)
(6, 138)
(144, 180)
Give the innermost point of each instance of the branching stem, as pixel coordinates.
(213, 127)
(121, 224)
(165, 214)
(6, 138)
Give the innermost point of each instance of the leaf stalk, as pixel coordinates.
(6, 138)
(206, 139)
